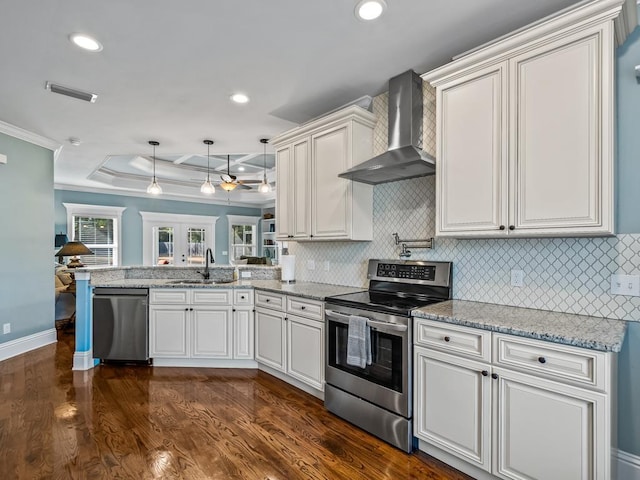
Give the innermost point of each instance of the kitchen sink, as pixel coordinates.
(200, 281)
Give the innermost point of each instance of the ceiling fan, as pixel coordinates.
(230, 182)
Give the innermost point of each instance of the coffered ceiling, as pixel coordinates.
(168, 68)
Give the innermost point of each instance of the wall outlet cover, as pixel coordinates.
(6, 328)
(245, 274)
(625, 285)
(517, 278)
(3, 158)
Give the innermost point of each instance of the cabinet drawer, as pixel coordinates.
(305, 308)
(211, 296)
(269, 300)
(470, 342)
(551, 360)
(243, 297)
(169, 296)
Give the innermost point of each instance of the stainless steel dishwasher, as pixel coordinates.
(121, 324)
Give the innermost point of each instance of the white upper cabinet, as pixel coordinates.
(312, 202)
(525, 132)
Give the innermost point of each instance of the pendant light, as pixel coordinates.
(207, 187)
(154, 188)
(264, 186)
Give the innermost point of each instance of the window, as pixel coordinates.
(243, 234)
(176, 239)
(98, 227)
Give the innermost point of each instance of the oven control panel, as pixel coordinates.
(411, 271)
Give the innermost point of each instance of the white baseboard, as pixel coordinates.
(28, 343)
(203, 363)
(84, 360)
(628, 465)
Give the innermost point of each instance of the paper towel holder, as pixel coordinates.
(287, 270)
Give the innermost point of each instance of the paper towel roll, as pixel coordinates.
(288, 268)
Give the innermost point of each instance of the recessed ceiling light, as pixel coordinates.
(239, 98)
(85, 42)
(370, 9)
(241, 169)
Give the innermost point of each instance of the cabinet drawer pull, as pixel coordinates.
(542, 360)
(447, 339)
(302, 307)
(241, 297)
(485, 373)
(494, 376)
(502, 227)
(267, 300)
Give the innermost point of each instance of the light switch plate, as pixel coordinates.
(3, 158)
(625, 285)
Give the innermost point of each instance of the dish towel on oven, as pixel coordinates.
(359, 342)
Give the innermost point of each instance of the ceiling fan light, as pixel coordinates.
(154, 187)
(228, 186)
(207, 188)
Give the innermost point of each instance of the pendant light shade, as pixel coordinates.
(154, 188)
(207, 187)
(264, 186)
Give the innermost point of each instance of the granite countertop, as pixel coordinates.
(315, 291)
(595, 333)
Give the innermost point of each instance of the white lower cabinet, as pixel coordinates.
(270, 338)
(199, 324)
(290, 338)
(521, 422)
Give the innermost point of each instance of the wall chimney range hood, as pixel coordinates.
(404, 159)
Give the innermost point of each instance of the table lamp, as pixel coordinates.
(73, 249)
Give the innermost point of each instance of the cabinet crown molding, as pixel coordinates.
(567, 21)
(353, 113)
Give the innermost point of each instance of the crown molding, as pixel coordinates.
(34, 138)
(627, 21)
(165, 196)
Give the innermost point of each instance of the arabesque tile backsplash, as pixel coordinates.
(561, 274)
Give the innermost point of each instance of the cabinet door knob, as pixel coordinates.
(512, 227)
(267, 300)
(191, 309)
(241, 297)
(302, 307)
(502, 227)
(186, 309)
(494, 376)
(485, 373)
(542, 360)
(447, 339)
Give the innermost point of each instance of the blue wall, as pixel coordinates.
(628, 221)
(132, 221)
(26, 238)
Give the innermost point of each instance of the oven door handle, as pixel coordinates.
(342, 318)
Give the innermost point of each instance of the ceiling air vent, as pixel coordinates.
(71, 92)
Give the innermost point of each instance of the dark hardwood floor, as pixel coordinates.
(138, 422)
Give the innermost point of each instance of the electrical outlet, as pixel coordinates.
(3, 158)
(517, 278)
(245, 274)
(225, 253)
(625, 285)
(327, 265)
(311, 265)
(6, 328)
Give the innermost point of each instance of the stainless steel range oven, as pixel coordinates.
(376, 395)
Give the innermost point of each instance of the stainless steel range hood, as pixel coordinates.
(404, 159)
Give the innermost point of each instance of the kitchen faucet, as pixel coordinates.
(208, 257)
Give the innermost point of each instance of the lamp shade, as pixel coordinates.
(61, 239)
(72, 249)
